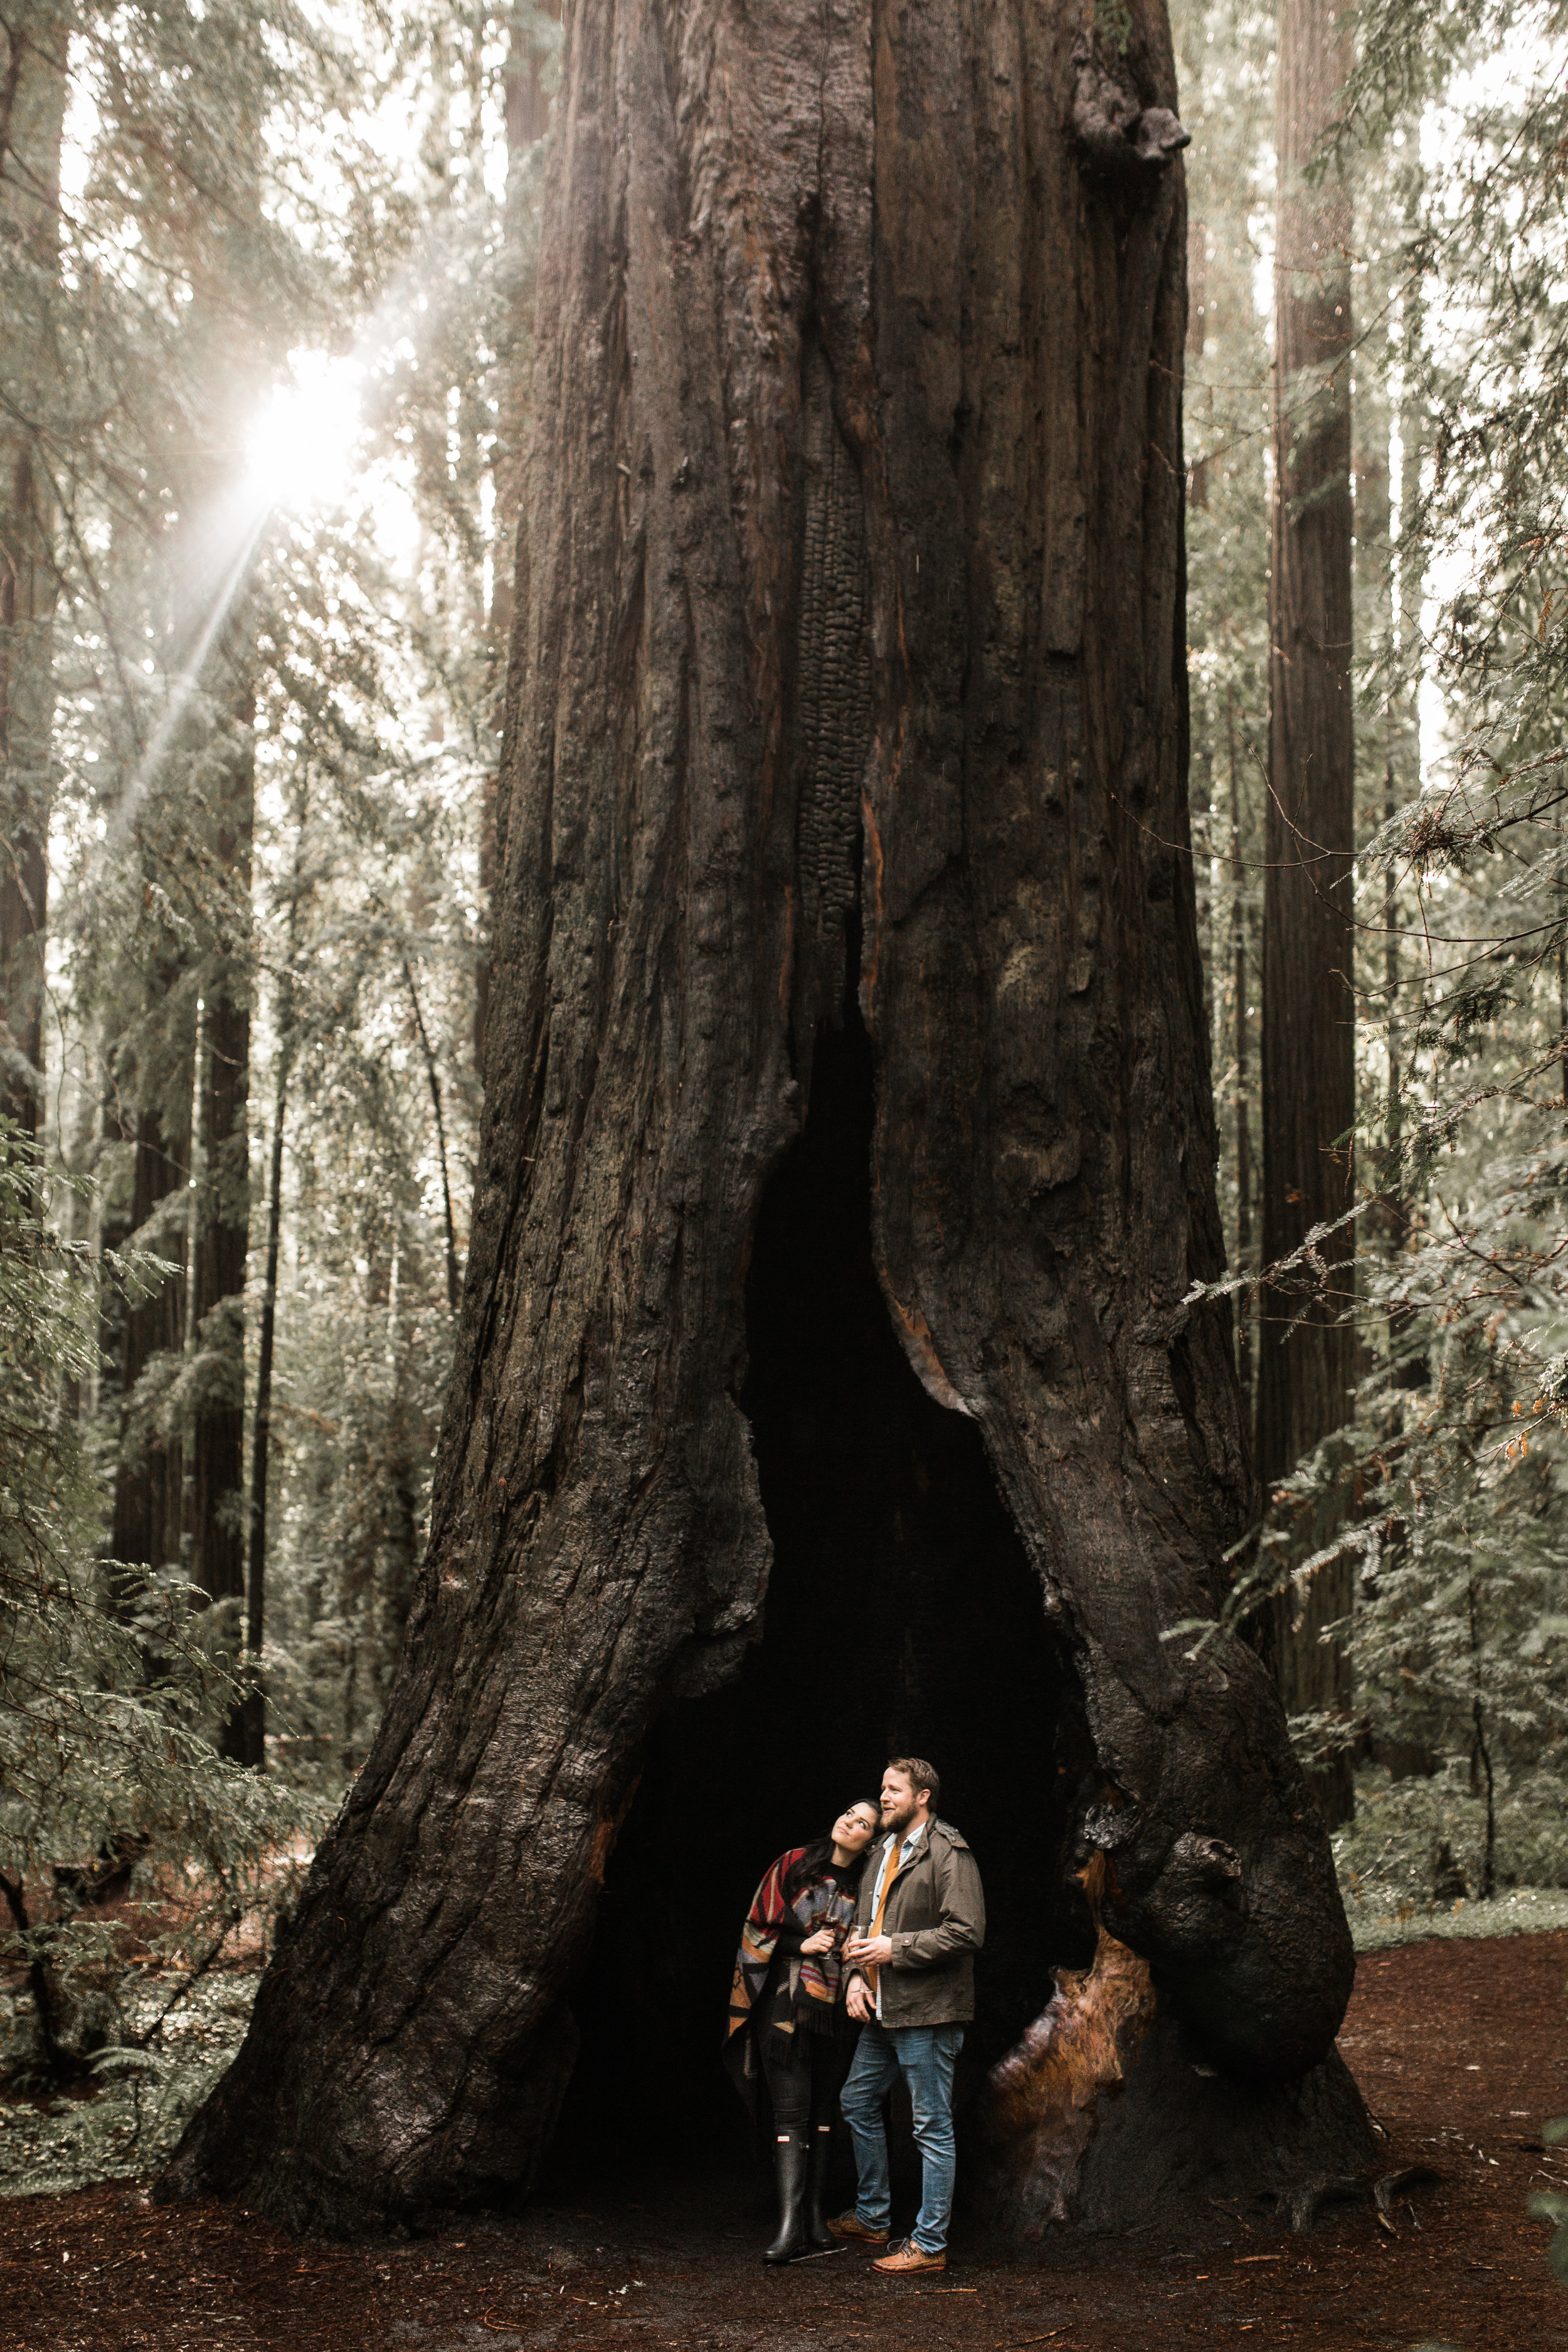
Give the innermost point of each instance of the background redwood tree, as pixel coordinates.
(1306, 1365)
(32, 119)
(848, 1155)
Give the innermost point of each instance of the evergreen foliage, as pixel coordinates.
(275, 714)
(107, 1778)
(1452, 1448)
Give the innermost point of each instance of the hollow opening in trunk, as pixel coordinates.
(902, 1617)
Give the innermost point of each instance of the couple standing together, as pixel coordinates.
(855, 1965)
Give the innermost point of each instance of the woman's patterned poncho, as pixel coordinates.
(822, 1904)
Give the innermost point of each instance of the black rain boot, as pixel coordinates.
(790, 2155)
(818, 2236)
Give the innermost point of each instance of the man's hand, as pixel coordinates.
(869, 1951)
(858, 2001)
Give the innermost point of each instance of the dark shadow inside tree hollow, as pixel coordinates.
(902, 1616)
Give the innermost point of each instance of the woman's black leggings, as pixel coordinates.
(804, 2073)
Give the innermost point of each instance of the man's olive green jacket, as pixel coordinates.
(936, 1918)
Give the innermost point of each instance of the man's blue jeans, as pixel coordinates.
(924, 2055)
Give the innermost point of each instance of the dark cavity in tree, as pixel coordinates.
(902, 1617)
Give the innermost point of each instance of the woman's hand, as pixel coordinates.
(823, 1941)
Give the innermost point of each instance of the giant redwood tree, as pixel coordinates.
(827, 1378)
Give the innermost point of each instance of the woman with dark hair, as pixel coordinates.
(787, 2018)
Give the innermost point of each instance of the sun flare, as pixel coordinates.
(300, 451)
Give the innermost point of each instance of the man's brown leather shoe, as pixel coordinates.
(849, 2225)
(905, 2260)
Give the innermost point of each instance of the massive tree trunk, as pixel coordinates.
(848, 1154)
(1305, 1378)
(32, 119)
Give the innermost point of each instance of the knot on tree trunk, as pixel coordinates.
(1115, 132)
(1208, 1862)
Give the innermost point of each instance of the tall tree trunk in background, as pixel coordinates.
(229, 344)
(1409, 567)
(848, 1154)
(433, 1080)
(33, 95)
(253, 1707)
(527, 107)
(1201, 760)
(1304, 1381)
(1240, 989)
(223, 1221)
(399, 1549)
(149, 1476)
(1375, 566)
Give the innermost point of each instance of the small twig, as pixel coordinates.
(145, 2040)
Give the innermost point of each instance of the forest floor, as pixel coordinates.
(1459, 2048)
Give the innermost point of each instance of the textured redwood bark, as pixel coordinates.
(1304, 1381)
(850, 623)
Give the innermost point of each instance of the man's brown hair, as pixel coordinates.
(919, 1774)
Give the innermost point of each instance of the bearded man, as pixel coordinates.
(919, 1919)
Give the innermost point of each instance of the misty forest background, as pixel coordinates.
(265, 284)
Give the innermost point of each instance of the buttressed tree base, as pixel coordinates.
(825, 1384)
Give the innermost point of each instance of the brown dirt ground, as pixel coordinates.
(1459, 2048)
